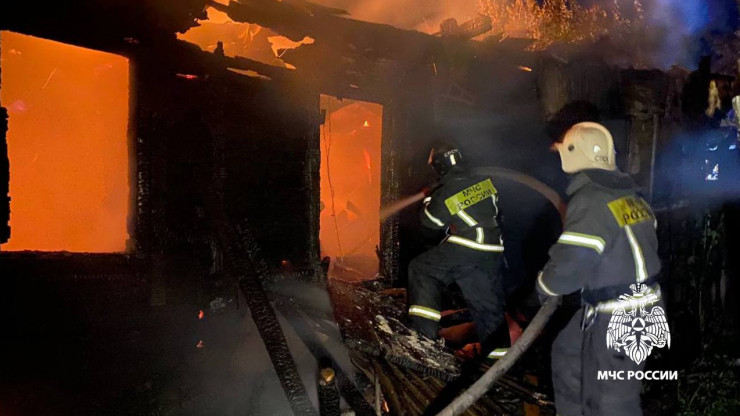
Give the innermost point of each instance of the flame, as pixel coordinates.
(366, 124)
(67, 145)
(248, 40)
(385, 407)
(280, 44)
(199, 345)
(525, 68)
(201, 314)
(552, 21)
(350, 187)
(368, 165)
(217, 16)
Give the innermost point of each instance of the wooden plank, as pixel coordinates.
(372, 324)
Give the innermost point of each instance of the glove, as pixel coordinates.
(542, 297)
(427, 190)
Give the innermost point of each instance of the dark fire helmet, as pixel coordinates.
(443, 157)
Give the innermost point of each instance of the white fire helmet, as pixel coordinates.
(587, 146)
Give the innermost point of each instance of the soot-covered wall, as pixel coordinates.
(243, 140)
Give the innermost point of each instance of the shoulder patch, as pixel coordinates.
(470, 196)
(630, 210)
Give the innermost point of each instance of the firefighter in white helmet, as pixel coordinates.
(608, 250)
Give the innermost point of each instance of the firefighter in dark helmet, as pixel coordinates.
(465, 205)
(609, 252)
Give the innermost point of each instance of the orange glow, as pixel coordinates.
(350, 187)
(199, 345)
(67, 145)
(201, 314)
(280, 44)
(247, 40)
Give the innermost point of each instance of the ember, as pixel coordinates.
(187, 76)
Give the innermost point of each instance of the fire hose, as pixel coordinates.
(483, 384)
(526, 180)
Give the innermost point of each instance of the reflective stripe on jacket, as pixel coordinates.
(608, 238)
(467, 206)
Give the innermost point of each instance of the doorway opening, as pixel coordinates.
(350, 187)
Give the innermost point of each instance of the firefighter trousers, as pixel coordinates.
(477, 275)
(577, 357)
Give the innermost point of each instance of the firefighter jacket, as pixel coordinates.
(466, 206)
(608, 241)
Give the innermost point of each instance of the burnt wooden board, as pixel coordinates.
(372, 323)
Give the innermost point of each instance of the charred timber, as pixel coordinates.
(328, 395)
(188, 58)
(347, 388)
(4, 179)
(245, 264)
(101, 24)
(296, 23)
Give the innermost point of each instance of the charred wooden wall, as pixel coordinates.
(247, 141)
(4, 178)
(631, 103)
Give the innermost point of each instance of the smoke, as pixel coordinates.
(232, 372)
(674, 28)
(649, 33)
(662, 33)
(421, 15)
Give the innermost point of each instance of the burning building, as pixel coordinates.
(173, 165)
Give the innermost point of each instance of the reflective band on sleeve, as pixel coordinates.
(543, 286)
(452, 160)
(467, 218)
(432, 218)
(425, 312)
(476, 246)
(640, 270)
(479, 235)
(583, 240)
(498, 353)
